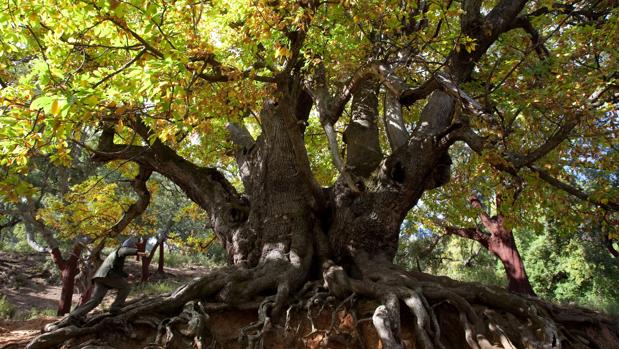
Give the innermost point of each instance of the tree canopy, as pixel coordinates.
(543, 89)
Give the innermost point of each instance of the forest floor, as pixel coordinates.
(30, 285)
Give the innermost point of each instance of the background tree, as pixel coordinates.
(498, 239)
(70, 212)
(525, 85)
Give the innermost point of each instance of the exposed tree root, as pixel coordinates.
(406, 309)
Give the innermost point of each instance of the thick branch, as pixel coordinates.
(205, 186)
(551, 143)
(538, 44)
(579, 193)
(244, 142)
(409, 96)
(394, 121)
(28, 213)
(363, 151)
(471, 15)
(485, 31)
(503, 14)
(469, 233)
(138, 207)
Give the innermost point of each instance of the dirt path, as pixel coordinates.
(16, 334)
(26, 282)
(31, 289)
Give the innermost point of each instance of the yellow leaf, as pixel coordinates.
(55, 107)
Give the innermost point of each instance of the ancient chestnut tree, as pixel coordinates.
(307, 130)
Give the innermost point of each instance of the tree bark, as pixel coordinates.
(147, 259)
(161, 258)
(68, 271)
(141, 247)
(499, 241)
(363, 153)
(503, 245)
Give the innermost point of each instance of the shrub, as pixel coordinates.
(7, 310)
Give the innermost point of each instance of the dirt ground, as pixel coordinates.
(31, 285)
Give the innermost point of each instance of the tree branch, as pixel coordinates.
(136, 36)
(206, 186)
(469, 233)
(244, 142)
(394, 121)
(30, 239)
(538, 44)
(551, 143)
(125, 66)
(138, 207)
(577, 192)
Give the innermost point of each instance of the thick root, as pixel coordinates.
(383, 307)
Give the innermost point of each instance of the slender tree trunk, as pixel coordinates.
(145, 266)
(146, 261)
(500, 241)
(88, 267)
(68, 283)
(141, 246)
(68, 271)
(85, 296)
(161, 258)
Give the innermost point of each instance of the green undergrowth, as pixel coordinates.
(35, 313)
(176, 260)
(156, 287)
(7, 310)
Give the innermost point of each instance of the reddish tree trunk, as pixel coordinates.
(146, 261)
(68, 271)
(161, 257)
(66, 294)
(501, 243)
(145, 266)
(504, 247)
(141, 246)
(85, 296)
